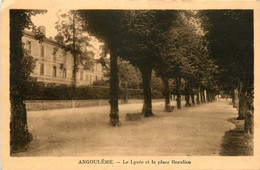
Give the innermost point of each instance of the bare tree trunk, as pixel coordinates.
(126, 93)
(166, 94)
(249, 117)
(242, 102)
(75, 69)
(19, 134)
(204, 96)
(198, 96)
(233, 98)
(192, 99)
(236, 98)
(192, 93)
(249, 122)
(114, 118)
(178, 92)
(74, 76)
(208, 96)
(201, 96)
(188, 92)
(146, 78)
(18, 123)
(187, 99)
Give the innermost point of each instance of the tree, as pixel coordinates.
(234, 55)
(21, 65)
(176, 57)
(185, 58)
(128, 74)
(104, 25)
(72, 38)
(142, 34)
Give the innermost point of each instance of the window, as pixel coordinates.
(86, 77)
(96, 78)
(99, 68)
(64, 73)
(81, 75)
(90, 78)
(54, 71)
(42, 51)
(54, 54)
(28, 47)
(42, 69)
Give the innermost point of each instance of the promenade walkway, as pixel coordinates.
(196, 130)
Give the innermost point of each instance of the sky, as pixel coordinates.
(49, 19)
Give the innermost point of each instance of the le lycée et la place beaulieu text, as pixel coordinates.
(134, 162)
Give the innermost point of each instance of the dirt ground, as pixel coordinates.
(196, 130)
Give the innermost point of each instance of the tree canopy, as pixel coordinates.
(230, 36)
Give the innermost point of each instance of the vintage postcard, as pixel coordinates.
(142, 84)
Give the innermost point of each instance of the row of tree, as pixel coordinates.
(230, 34)
(169, 42)
(198, 50)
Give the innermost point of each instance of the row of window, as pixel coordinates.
(88, 77)
(28, 47)
(54, 71)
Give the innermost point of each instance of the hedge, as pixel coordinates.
(39, 91)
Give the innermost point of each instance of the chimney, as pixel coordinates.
(42, 30)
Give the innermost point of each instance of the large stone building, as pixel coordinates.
(54, 65)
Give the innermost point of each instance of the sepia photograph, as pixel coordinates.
(155, 87)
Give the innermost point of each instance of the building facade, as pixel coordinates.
(54, 65)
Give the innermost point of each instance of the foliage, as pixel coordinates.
(234, 54)
(142, 33)
(103, 24)
(128, 74)
(230, 33)
(72, 37)
(40, 91)
(101, 83)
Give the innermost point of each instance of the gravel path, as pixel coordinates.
(196, 130)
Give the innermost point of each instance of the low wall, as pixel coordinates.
(35, 105)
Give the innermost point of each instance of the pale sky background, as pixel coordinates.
(48, 20)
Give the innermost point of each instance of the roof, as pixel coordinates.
(46, 40)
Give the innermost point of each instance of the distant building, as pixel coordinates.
(54, 65)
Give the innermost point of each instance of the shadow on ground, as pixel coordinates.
(235, 142)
